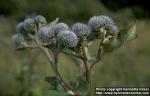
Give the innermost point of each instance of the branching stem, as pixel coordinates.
(87, 68)
(45, 50)
(98, 55)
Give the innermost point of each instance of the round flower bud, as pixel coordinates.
(81, 30)
(19, 28)
(29, 24)
(40, 19)
(46, 34)
(17, 40)
(69, 38)
(60, 27)
(112, 30)
(97, 22)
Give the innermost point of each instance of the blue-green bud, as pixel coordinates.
(81, 30)
(60, 27)
(17, 40)
(46, 34)
(29, 25)
(98, 22)
(103, 25)
(19, 28)
(40, 19)
(69, 38)
(112, 30)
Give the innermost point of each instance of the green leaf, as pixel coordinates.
(82, 85)
(56, 93)
(54, 22)
(123, 36)
(73, 84)
(112, 45)
(132, 33)
(127, 34)
(54, 81)
(66, 50)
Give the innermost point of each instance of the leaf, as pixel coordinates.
(73, 84)
(127, 34)
(54, 22)
(56, 93)
(123, 36)
(113, 44)
(83, 85)
(54, 81)
(66, 51)
(80, 86)
(132, 33)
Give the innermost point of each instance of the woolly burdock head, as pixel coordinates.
(19, 28)
(98, 22)
(81, 30)
(112, 30)
(60, 27)
(69, 38)
(40, 19)
(46, 34)
(17, 40)
(29, 25)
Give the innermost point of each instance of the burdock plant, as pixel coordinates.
(55, 38)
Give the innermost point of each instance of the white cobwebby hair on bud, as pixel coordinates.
(17, 40)
(19, 27)
(81, 30)
(29, 24)
(69, 38)
(46, 34)
(113, 30)
(97, 22)
(40, 19)
(60, 27)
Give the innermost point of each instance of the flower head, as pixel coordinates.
(29, 24)
(81, 30)
(17, 40)
(46, 34)
(100, 21)
(60, 27)
(19, 28)
(103, 22)
(69, 38)
(112, 30)
(40, 19)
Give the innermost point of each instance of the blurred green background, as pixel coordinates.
(127, 66)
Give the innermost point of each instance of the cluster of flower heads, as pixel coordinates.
(47, 33)
(25, 27)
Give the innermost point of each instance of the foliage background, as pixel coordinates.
(127, 66)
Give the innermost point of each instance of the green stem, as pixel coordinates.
(66, 86)
(46, 52)
(99, 54)
(98, 57)
(87, 68)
